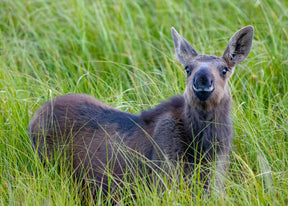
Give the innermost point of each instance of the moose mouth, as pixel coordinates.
(203, 93)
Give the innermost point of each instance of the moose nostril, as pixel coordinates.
(194, 83)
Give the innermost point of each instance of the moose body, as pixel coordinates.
(185, 128)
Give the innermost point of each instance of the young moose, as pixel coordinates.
(185, 128)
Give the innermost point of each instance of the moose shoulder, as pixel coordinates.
(185, 128)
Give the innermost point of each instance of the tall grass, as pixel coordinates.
(121, 52)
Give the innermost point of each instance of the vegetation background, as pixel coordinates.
(122, 53)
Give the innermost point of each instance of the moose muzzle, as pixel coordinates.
(203, 83)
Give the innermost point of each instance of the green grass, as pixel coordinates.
(122, 53)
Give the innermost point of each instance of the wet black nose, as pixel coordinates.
(203, 83)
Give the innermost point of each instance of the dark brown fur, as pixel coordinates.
(183, 128)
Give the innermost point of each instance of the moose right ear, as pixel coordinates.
(239, 46)
(184, 51)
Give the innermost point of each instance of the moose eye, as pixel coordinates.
(224, 70)
(187, 69)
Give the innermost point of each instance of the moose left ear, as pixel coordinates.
(184, 51)
(239, 46)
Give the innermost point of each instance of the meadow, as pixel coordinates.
(122, 53)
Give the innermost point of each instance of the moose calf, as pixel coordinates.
(185, 128)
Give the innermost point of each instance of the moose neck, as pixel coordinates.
(197, 118)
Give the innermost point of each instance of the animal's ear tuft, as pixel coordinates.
(239, 46)
(184, 51)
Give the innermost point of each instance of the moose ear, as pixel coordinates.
(184, 51)
(239, 46)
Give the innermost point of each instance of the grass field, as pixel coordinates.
(122, 53)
